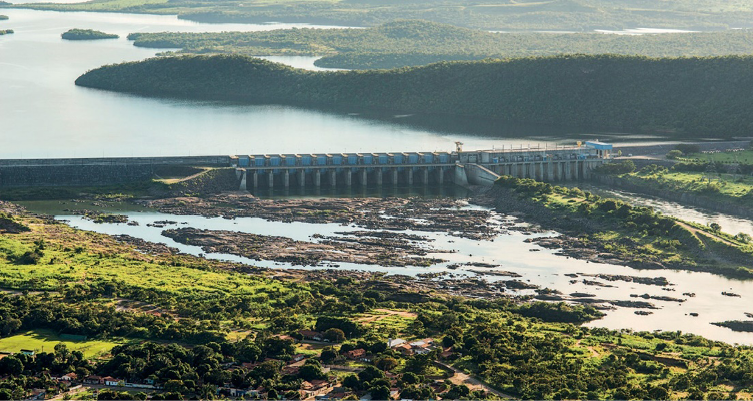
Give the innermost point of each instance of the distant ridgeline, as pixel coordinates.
(508, 15)
(413, 42)
(678, 96)
(87, 34)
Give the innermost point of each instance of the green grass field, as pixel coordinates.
(744, 157)
(45, 341)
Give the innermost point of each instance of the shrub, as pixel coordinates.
(674, 154)
(686, 148)
(623, 167)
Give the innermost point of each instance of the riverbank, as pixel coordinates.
(606, 230)
(714, 187)
(188, 302)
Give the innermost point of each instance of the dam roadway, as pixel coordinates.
(471, 167)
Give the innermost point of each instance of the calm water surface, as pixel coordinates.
(44, 114)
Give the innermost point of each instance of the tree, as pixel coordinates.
(352, 382)
(715, 227)
(380, 392)
(328, 355)
(674, 154)
(335, 335)
(387, 363)
(10, 365)
(743, 237)
(370, 373)
(311, 371)
(272, 394)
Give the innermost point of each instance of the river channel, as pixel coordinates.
(508, 249)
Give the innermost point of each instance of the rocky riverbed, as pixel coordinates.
(417, 214)
(382, 250)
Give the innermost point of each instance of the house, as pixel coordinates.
(394, 392)
(250, 365)
(421, 347)
(315, 388)
(290, 370)
(27, 352)
(356, 354)
(93, 380)
(336, 393)
(311, 335)
(37, 394)
(447, 353)
(236, 392)
(404, 349)
(110, 381)
(69, 377)
(394, 343)
(297, 358)
(285, 337)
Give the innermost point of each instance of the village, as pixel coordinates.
(350, 360)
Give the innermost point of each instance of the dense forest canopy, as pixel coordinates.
(573, 15)
(679, 96)
(413, 42)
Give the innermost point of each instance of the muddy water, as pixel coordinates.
(508, 250)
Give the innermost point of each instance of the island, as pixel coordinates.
(5, 31)
(3, 17)
(404, 43)
(86, 34)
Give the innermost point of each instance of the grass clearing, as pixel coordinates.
(46, 340)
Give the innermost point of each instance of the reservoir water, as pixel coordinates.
(44, 114)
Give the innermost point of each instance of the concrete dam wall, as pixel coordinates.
(92, 171)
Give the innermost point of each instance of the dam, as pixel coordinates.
(476, 167)
(461, 167)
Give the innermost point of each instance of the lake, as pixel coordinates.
(44, 114)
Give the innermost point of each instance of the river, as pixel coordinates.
(508, 249)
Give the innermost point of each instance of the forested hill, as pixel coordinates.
(681, 96)
(410, 42)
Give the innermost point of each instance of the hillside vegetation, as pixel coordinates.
(682, 96)
(189, 323)
(413, 42)
(572, 15)
(647, 239)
